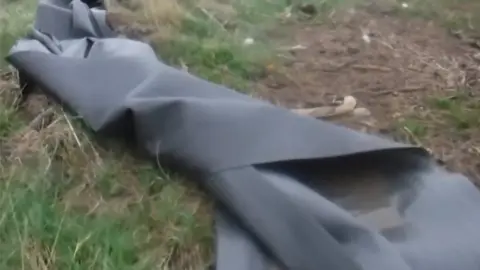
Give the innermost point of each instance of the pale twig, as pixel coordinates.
(77, 139)
(94, 208)
(55, 241)
(336, 67)
(97, 155)
(213, 18)
(95, 258)
(36, 123)
(166, 260)
(410, 133)
(371, 67)
(79, 245)
(400, 90)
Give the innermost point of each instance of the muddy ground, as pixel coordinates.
(401, 68)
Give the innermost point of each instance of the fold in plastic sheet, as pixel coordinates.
(293, 192)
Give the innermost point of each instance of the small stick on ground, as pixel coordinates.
(214, 19)
(77, 139)
(414, 138)
(337, 67)
(400, 90)
(38, 122)
(371, 67)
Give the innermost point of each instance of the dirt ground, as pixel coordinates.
(418, 81)
(396, 67)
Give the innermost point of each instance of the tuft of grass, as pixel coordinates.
(111, 213)
(414, 126)
(455, 116)
(227, 47)
(226, 42)
(15, 18)
(67, 203)
(70, 204)
(38, 231)
(9, 121)
(461, 111)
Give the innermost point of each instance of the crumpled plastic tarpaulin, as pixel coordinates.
(292, 192)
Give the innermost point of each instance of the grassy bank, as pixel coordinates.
(69, 203)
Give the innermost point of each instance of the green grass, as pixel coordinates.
(414, 126)
(9, 121)
(213, 43)
(453, 118)
(79, 206)
(41, 229)
(67, 205)
(38, 233)
(460, 111)
(15, 18)
(449, 118)
(215, 49)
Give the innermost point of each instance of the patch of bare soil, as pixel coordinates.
(392, 65)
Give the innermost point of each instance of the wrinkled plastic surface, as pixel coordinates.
(293, 192)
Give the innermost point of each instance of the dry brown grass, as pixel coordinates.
(160, 21)
(173, 216)
(171, 219)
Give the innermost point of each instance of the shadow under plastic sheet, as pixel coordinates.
(293, 192)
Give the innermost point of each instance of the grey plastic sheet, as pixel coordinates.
(292, 192)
